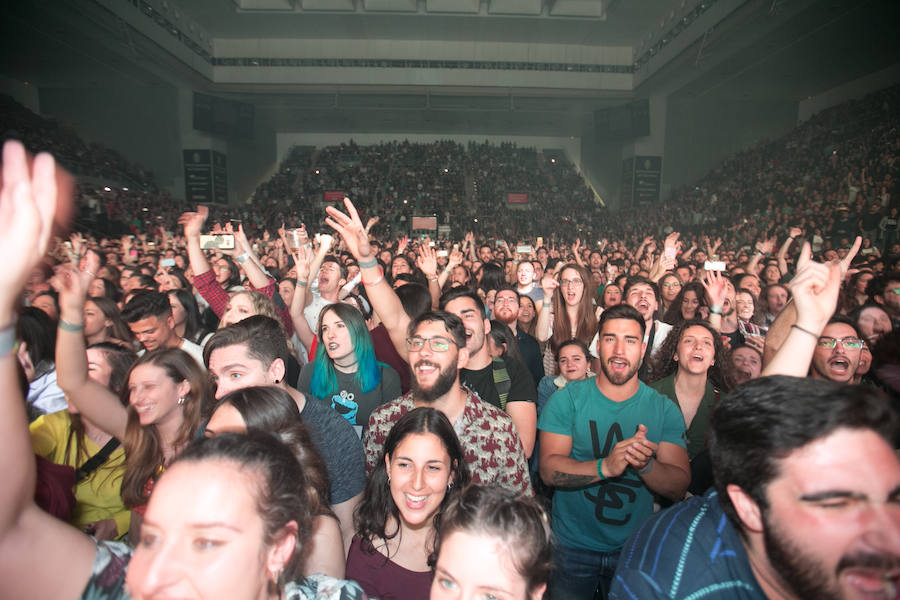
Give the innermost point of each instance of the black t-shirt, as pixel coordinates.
(481, 381)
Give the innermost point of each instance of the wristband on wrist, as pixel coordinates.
(804, 330)
(432, 278)
(242, 258)
(715, 309)
(302, 283)
(377, 280)
(366, 264)
(8, 342)
(648, 468)
(600, 469)
(547, 302)
(73, 327)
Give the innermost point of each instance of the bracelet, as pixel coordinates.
(73, 327)
(804, 330)
(301, 283)
(242, 258)
(378, 279)
(647, 469)
(432, 278)
(8, 342)
(368, 264)
(715, 309)
(547, 303)
(600, 469)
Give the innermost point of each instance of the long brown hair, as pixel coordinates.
(586, 319)
(145, 458)
(120, 359)
(117, 329)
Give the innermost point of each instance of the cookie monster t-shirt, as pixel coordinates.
(348, 400)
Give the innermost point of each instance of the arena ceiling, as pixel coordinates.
(784, 48)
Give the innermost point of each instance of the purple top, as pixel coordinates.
(382, 578)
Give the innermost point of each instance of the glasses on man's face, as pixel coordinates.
(854, 343)
(506, 300)
(672, 284)
(894, 291)
(571, 282)
(436, 343)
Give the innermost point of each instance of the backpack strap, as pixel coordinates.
(502, 382)
(96, 460)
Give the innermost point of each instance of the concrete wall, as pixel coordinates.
(22, 92)
(701, 132)
(848, 91)
(140, 122)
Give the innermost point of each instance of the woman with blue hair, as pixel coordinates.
(344, 372)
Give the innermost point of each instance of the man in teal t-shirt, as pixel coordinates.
(608, 444)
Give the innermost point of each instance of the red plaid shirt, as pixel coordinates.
(217, 298)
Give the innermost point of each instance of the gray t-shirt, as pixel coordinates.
(348, 400)
(339, 447)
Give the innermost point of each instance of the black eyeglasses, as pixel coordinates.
(853, 343)
(436, 343)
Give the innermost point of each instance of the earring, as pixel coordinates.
(181, 400)
(389, 478)
(449, 485)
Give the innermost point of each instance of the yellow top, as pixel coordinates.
(97, 497)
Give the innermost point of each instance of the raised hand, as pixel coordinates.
(193, 222)
(671, 240)
(548, 284)
(795, 232)
(766, 246)
(402, 243)
(302, 260)
(815, 290)
(427, 259)
(660, 266)
(72, 283)
(845, 262)
(350, 228)
(716, 288)
(455, 258)
(28, 202)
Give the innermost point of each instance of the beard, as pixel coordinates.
(442, 385)
(805, 575)
(506, 316)
(618, 378)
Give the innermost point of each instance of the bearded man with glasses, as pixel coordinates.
(437, 352)
(837, 351)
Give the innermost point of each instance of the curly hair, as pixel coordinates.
(664, 364)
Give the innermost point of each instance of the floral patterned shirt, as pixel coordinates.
(107, 580)
(488, 437)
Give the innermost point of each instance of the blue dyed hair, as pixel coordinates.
(368, 373)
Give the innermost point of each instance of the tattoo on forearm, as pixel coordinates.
(569, 480)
